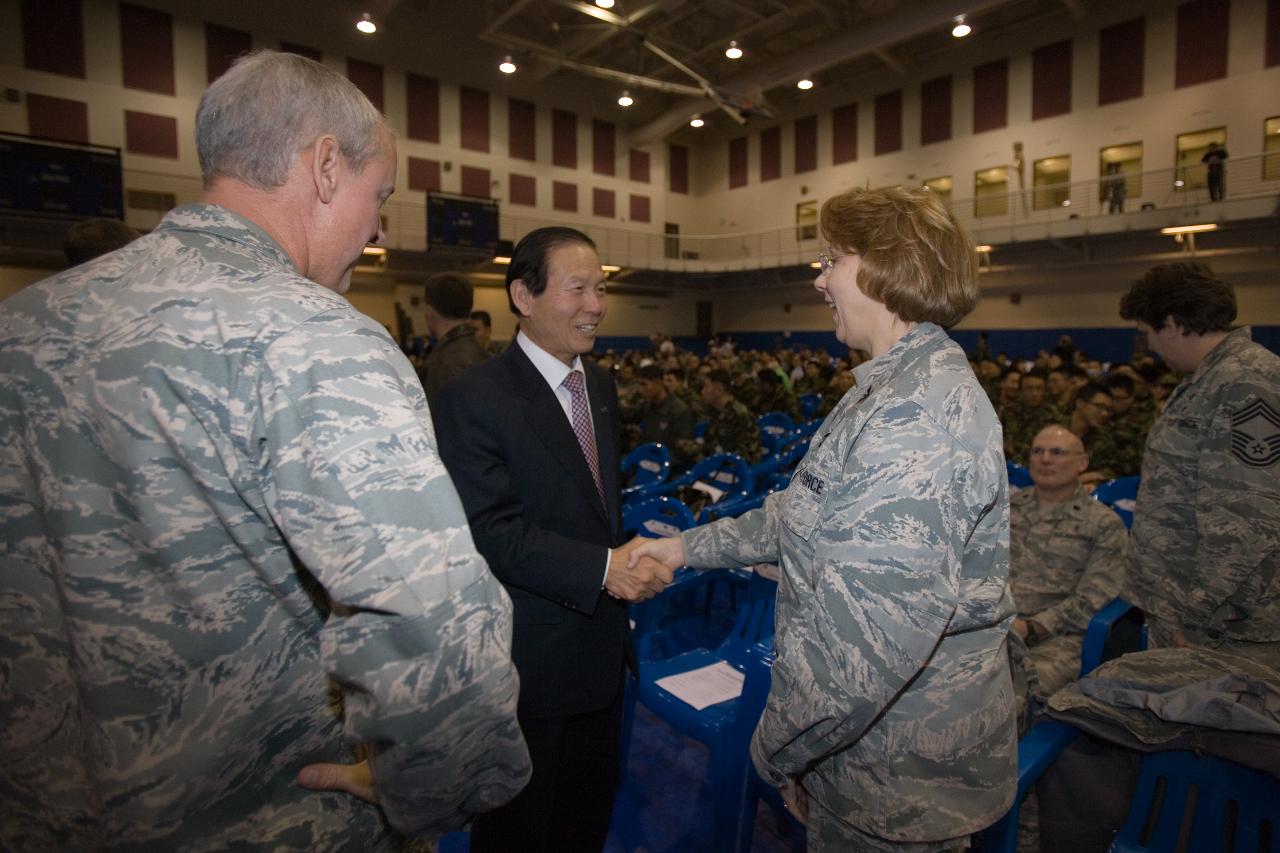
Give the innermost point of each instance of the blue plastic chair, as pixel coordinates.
(783, 459)
(648, 464)
(774, 428)
(728, 472)
(700, 428)
(725, 728)
(656, 517)
(1019, 477)
(809, 404)
(1121, 494)
(808, 428)
(1092, 653)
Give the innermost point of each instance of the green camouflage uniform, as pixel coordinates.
(780, 400)
(1128, 436)
(1206, 531)
(891, 694)
(732, 429)
(222, 499)
(1022, 424)
(1066, 561)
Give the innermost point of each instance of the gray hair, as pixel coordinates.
(255, 119)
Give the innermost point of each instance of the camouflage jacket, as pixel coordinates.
(222, 500)
(1022, 423)
(733, 429)
(891, 695)
(1066, 560)
(1206, 531)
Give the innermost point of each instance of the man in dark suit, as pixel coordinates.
(530, 438)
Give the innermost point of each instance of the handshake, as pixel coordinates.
(643, 567)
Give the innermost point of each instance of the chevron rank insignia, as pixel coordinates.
(1255, 435)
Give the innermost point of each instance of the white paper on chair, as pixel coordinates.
(705, 686)
(716, 494)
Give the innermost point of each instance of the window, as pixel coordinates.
(1271, 148)
(1189, 173)
(1121, 159)
(1051, 180)
(991, 191)
(941, 187)
(806, 221)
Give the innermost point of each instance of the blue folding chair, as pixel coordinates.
(647, 465)
(774, 428)
(809, 404)
(656, 517)
(783, 459)
(726, 727)
(1019, 477)
(727, 472)
(1121, 494)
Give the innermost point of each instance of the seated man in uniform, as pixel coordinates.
(1067, 559)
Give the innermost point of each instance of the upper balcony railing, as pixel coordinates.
(1035, 212)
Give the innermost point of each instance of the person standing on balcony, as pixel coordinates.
(1215, 160)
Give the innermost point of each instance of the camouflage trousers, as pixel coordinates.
(828, 834)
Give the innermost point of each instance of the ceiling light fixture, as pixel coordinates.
(507, 66)
(805, 84)
(961, 29)
(1189, 229)
(610, 268)
(375, 251)
(733, 51)
(982, 249)
(696, 121)
(625, 99)
(501, 260)
(605, 4)
(366, 24)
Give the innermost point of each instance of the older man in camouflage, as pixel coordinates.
(1067, 558)
(1206, 531)
(230, 550)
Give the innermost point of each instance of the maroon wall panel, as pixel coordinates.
(991, 96)
(1051, 80)
(844, 134)
(474, 120)
(53, 36)
(524, 190)
(889, 122)
(1273, 33)
(1121, 48)
(368, 79)
(603, 203)
(639, 166)
(806, 140)
(639, 208)
(564, 140)
(221, 47)
(604, 154)
(738, 162)
(301, 50)
(1202, 42)
(422, 107)
(935, 110)
(678, 168)
(146, 49)
(475, 181)
(424, 175)
(564, 196)
(154, 135)
(57, 118)
(522, 130)
(770, 154)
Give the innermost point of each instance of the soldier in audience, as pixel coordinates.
(839, 384)
(1058, 386)
(774, 397)
(1129, 424)
(230, 548)
(1206, 532)
(1067, 558)
(483, 324)
(1031, 414)
(1090, 411)
(731, 428)
(674, 381)
(811, 382)
(448, 299)
(1010, 391)
(663, 417)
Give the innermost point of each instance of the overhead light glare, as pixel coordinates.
(1190, 229)
(625, 99)
(814, 265)
(605, 4)
(507, 66)
(733, 51)
(696, 121)
(366, 24)
(1179, 182)
(806, 84)
(610, 268)
(961, 29)
(501, 260)
(375, 251)
(983, 249)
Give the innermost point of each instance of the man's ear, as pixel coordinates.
(521, 296)
(326, 160)
(1170, 323)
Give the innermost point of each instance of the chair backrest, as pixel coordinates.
(1234, 808)
(655, 518)
(647, 464)
(782, 459)
(809, 404)
(728, 472)
(1121, 494)
(1019, 477)
(700, 428)
(774, 427)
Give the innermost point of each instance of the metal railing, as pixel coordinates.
(988, 219)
